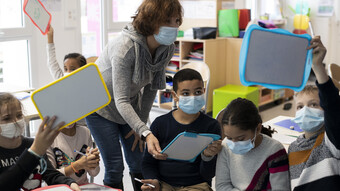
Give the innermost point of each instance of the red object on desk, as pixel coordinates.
(299, 31)
(244, 18)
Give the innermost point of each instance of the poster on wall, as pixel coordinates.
(325, 8)
(52, 5)
(194, 9)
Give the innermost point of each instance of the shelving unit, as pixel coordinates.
(233, 47)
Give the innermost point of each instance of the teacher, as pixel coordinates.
(133, 68)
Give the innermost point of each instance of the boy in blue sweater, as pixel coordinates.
(166, 175)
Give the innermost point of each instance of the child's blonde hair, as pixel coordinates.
(6, 98)
(309, 89)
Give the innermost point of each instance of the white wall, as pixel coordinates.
(66, 40)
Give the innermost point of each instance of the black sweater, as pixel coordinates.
(18, 169)
(179, 173)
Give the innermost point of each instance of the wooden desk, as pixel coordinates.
(14, 88)
(284, 135)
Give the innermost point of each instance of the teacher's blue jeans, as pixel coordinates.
(107, 135)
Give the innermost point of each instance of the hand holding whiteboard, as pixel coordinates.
(74, 96)
(187, 146)
(40, 17)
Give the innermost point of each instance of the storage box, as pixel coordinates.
(224, 95)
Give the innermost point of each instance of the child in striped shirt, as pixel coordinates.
(314, 156)
(250, 159)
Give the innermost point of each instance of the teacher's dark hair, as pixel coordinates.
(151, 14)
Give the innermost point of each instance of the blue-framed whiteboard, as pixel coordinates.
(275, 58)
(186, 146)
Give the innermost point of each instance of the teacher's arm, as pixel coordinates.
(122, 71)
(147, 102)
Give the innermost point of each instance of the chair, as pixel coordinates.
(204, 70)
(334, 71)
(91, 59)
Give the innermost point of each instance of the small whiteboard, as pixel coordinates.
(74, 96)
(40, 17)
(275, 58)
(187, 146)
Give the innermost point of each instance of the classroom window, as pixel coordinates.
(14, 65)
(14, 45)
(122, 10)
(11, 14)
(91, 27)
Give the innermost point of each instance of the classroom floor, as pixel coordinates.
(267, 112)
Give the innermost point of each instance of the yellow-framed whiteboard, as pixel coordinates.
(74, 96)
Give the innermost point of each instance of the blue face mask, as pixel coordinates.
(191, 104)
(241, 147)
(309, 119)
(166, 35)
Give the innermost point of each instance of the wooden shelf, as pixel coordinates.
(214, 57)
(192, 61)
(266, 102)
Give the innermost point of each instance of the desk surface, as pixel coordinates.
(14, 88)
(284, 135)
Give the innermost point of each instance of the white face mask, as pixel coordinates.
(66, 73)
(13, 130)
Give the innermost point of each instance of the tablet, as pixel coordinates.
(74, 96)
(187, 146)
(275, 58)
(40, 17)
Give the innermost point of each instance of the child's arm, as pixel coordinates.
(52, 62)
(94, 172)
(279, 169)
(208, 156)
(53, 176)
(14, 177)
(149, 163)
(223, 180)
(329, 97)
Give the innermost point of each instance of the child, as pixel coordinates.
(250, 158)
(314, 156)
(72, 61)
(20, 156)
(76, 136)
(188, 90)
(75, 165)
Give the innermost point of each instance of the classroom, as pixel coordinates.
(169, 95)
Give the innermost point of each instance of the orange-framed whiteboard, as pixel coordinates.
(38, 14)
(74, 96)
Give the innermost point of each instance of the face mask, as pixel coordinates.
(241, 147)
(191, 104)
(12, 130)
(166, 35)
(309, 119)
(66, 73)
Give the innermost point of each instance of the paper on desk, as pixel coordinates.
(288, 123)
(284, 139)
